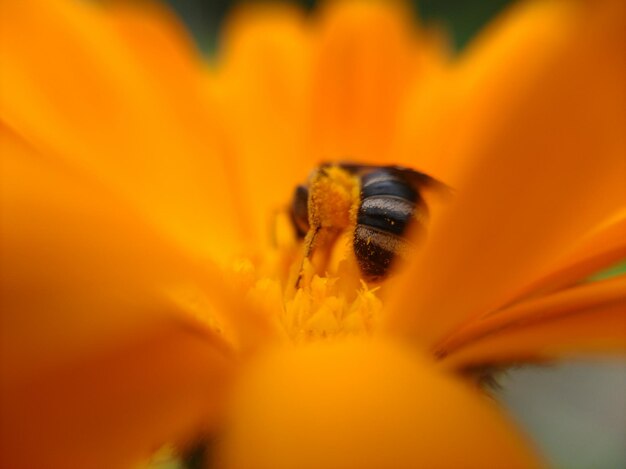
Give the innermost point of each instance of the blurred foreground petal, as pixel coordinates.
(364, 404)
(81, 86)
(100, 364)
(600, 249)
(115, 406)
(589, 318)
(536, 159)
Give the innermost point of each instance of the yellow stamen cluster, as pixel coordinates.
(335, 304)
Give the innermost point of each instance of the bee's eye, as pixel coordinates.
(300, 210)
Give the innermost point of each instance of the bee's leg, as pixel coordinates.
(309, 245)
(318, 249)
(326, 242)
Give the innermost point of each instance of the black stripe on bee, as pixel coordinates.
(387, 182)
(389, 213)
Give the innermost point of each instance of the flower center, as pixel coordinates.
(337, 303)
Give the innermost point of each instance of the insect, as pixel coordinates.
(380, 204)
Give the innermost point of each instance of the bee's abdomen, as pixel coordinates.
(387, 213)
(385, 182)
(388, 204)
(375, 250)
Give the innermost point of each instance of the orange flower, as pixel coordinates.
(144, 305)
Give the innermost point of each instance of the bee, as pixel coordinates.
(380, 204)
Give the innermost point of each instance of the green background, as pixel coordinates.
(463, 18)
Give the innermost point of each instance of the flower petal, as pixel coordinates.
(366, 61)
(100, 364)
(364, 404)
(78, 85)
(536, 158)
(114, 407)
(263, 87)
(600, 249)
(589, 318)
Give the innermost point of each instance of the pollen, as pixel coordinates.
(334, 193)
(337, 303)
